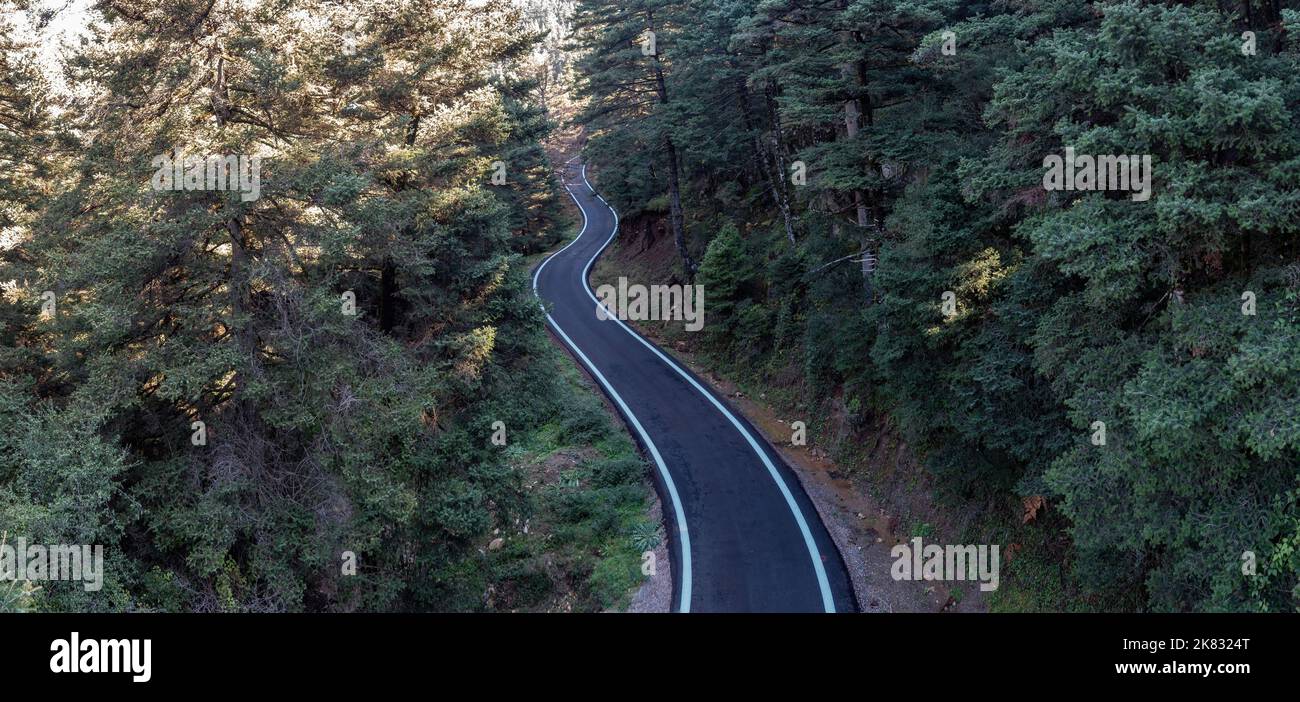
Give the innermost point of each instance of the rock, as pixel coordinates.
(496, 543)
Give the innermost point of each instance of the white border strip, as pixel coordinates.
(828, 601)
(684, 601)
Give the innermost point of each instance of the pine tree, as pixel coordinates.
(237, 386)
(626, 65)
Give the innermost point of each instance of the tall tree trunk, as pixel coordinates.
(675, 210)
(675, 216)
(773, 175)
(855, 109)
(388, 270)
(388, 295)
(240, 299)
(852, 125)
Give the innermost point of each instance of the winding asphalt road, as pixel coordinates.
(744, 536)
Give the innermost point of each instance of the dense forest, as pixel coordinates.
(859, 185)
(328, 386)
(249, 396)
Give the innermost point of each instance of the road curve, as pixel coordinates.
(743, 535)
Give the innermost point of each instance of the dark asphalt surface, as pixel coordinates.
(744, 536)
